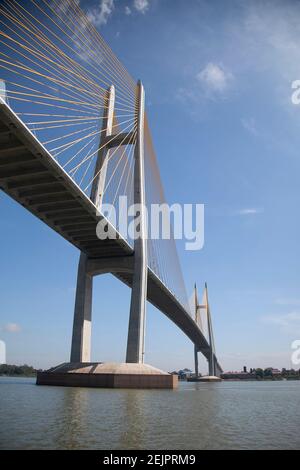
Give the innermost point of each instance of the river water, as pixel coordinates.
(226, 415)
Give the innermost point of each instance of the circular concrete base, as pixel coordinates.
(107, 375)
(105, 368)
(209, 378)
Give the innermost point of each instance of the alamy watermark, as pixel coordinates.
(295, 357)
(2, 352)
(160, 222)
(295, 97)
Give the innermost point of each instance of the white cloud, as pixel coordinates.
(250, 211)
(100, 15)
(268, 43)
(287, 322)
(127, 11)
(12, 328)
(141, 5)
(275, 33)
(215, 78)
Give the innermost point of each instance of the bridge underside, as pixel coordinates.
(30, 175)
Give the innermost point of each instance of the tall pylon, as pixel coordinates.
(212, 355)
(82, 324)
(198, 319)
(137, 318)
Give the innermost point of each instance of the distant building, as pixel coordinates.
(183, 374)
(275, 371)
(234, 375)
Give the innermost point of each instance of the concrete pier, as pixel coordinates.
(204, 378)
(81, 337)
(107, 375)
(209, 378)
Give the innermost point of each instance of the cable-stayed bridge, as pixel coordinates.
(75, 137)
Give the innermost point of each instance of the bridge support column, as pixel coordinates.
(198, 322)
(211, 365)
(136, 329)
(98, 186)
(196, 361)
(81, 338)
(212, 355)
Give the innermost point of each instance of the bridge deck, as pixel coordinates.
(33, 178)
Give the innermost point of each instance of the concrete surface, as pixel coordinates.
(107, 375)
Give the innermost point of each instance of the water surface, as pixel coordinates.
(226, 415)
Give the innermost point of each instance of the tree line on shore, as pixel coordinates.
(269, 373)
(264, 374)
(13, 370)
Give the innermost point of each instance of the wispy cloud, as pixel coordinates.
(212, 82)
(287, 322)
(268, 42)
(265, 39)
(249, 125)
(276, 31)
(250, 211)
(99, 15)
(141, 5)
(215, 78)
(12, 328)
(64, 5)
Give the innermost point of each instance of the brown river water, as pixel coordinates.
(226, 415)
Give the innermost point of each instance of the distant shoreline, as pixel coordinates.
(11, 370)
(262, 380)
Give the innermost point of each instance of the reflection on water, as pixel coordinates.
(133, 405)
(73, 409)
(196, 416)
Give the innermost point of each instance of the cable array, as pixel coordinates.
(162, 253)
(57, 70)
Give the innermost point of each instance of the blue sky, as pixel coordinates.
(218, 91)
